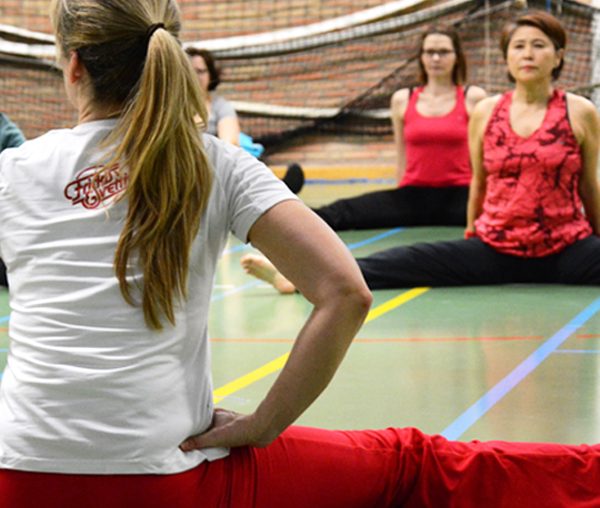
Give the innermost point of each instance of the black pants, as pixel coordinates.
(404, 206)
(3, 280)
(472, 262)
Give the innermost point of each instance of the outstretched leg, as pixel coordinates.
(451, 263)
(317, 468)
(380, 209)
(3, 278)
(409, 469)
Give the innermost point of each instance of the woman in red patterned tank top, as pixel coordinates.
(534, 202)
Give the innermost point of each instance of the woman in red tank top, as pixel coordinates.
(430, 135)
(433, 168)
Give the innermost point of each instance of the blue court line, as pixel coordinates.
(3, 350)
(578, 351)
(4, 319)
(237, 248)
(374, 239)
(459, 426)
(351, 246)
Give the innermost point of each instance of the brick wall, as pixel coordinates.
(334, 76)
(209, 19)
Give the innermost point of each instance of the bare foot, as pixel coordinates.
(261, 268)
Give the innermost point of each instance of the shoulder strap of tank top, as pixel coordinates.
(499, 108)
(559, 105)
(413, 96)
(461, 94)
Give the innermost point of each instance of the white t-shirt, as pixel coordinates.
(88, 387)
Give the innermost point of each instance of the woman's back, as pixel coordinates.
(75, 343)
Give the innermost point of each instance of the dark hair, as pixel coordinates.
(544, 22)
(459, 72)
(213, 71)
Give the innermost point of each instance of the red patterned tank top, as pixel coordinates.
(532, 206)
(437, 150)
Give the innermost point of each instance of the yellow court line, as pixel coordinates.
(273, 366)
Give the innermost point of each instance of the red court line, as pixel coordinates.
(405, 339)
(393, 340)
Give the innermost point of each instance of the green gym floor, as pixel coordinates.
(519, 362)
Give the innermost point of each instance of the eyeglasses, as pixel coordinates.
(430, 53)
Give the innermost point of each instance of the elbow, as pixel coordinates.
(362, 299)
(344, 296)
(355, 300)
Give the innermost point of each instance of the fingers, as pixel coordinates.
(224, 432)
(198, 442)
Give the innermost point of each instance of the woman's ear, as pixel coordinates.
(560, 53)
(74, 70)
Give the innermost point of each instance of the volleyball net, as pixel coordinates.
(333, 73)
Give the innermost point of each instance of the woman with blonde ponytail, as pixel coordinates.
(111, 235)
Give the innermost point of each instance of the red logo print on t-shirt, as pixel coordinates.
(96, 185)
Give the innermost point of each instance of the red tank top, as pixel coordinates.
(437, 150)
(532, 206)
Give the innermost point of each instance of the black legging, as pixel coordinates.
(403, 206)
(472, 262)
(3, 280)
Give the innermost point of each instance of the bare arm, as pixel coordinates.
(477, 125)
(397, 109)
(474, 95)
(322, 268)
(586, 127)
(228, 129)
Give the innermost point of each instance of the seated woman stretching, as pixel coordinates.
(430, 134)
(534, 152)
(223, 121)
(106, 401)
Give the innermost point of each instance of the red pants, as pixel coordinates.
(311, 468)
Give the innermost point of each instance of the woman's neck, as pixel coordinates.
(534, 93)
(439, 86)
(90, 112)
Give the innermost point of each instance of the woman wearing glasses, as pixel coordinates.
(433, 168)
(430, 134)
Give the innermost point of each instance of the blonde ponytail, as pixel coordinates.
(169, 178)
(157, 141)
